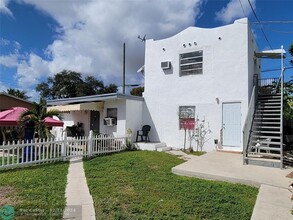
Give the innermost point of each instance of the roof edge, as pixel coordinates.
(15, 97)
(93, 98)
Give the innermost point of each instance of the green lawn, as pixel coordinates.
(140, 185)
(35, 192)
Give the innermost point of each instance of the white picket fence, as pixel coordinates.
(23, 153)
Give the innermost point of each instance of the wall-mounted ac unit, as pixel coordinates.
(166, 65)
(110, 121)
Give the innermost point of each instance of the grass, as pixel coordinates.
(36, 192)
(140, 185)
(196, 153)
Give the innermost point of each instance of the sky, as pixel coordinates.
(39, 38)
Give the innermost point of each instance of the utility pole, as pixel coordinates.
(123, 73)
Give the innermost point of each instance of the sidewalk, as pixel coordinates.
(273, 200)
(79, 202)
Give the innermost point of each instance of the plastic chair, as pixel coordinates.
(143, 133)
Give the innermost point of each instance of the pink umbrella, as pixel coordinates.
(51, 122)
(10, 118)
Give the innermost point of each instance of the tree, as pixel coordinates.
(137, 91)
(18, 93)
(288, 92)
(68, 84)
(36, 117)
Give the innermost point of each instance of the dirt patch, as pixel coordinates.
(290, 175)
(8, 196)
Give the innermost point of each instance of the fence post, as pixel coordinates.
(90, 146)
(64, 144)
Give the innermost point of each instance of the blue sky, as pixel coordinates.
(41, 38)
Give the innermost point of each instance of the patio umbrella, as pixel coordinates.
(51, 122)
(10, 117)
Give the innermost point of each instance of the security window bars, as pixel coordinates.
(191, 63)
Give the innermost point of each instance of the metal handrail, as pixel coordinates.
(248, 121)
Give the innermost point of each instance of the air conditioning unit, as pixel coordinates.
(166, 65)
(110, 121)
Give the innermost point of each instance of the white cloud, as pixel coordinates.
(3, 87)
(31, 71)
(92, 33)
(4, 9)
(233, 10)
(10, 60)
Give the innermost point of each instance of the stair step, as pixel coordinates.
(267, 132)
(269, 100)
(270, 148)
(266, 127)
(267, 118)
(266, 114)
(269, 103)
(268, 107)
(267, 122)
(268, 110)
(270, 94)
(263, 162)
(270, 155)
(265, 137)
(266, 142)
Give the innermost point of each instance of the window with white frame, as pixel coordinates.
(191, 63)
(186, 117)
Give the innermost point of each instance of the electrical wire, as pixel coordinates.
(271, 70)
(260, 24)
(242, 8)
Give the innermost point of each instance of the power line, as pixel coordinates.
(271, 70)
(276, 21)
(242, 8)
(260, 24)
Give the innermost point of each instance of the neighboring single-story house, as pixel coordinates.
(104, 114)
(8, 101)
(197, 73)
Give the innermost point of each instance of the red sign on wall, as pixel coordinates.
(187, 123)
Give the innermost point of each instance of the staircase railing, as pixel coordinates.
(249, 118)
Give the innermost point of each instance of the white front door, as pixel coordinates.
(231, 124)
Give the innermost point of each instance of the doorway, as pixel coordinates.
(231, 124)
(95, 121)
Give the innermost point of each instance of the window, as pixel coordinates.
(111, 115)
(191, 63)
(186, 117)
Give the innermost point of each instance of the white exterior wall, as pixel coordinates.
(134, 116)
(70, 119)
(129, 115)
(225, 76)
(118, 129)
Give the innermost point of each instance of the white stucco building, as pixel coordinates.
(204, 73)
(211, 71)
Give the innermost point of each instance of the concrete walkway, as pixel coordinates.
(79, 202)
(274, 198)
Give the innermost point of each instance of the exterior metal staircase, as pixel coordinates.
(263, 131)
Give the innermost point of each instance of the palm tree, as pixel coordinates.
(36, 116)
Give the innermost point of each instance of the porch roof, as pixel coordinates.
(92, 106)
(272, 54)
(93, 98)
